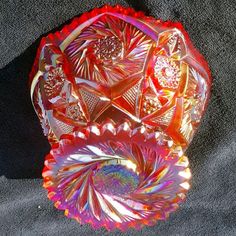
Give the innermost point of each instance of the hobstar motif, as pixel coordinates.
(119, 96)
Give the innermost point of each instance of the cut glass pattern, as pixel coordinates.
(122, 95)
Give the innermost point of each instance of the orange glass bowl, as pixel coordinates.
(119, 96)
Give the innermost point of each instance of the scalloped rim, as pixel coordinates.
(55, 38)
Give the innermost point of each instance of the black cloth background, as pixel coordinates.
(210, 208)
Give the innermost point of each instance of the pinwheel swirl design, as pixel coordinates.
(116, 177)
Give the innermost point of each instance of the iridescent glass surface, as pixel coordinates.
(119, 96)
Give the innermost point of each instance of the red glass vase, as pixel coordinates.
(119, 96)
